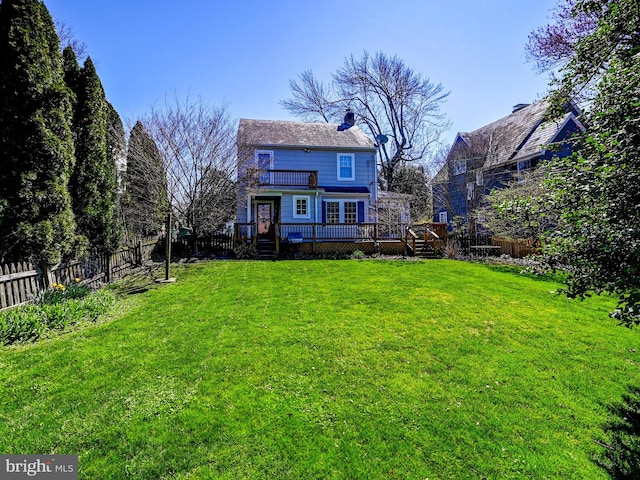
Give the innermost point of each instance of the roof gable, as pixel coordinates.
(279, 133)
(522, 134)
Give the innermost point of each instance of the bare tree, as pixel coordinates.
(144, 202)
(397, 106)
(470, 169)
(197, 145)
(521, 210)
(68, 39)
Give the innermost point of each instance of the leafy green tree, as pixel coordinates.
(144, 202)
(36, 144)
(93, 184)
(597, 189)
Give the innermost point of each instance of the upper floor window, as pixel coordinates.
(264, 159)
(346, 166)
(459, 167)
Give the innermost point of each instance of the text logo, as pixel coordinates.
(46, 467)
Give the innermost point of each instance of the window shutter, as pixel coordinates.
(324, 211)
(360, 212)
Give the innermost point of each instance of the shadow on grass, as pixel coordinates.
(137, 282)
(529, 272)
(621, 458)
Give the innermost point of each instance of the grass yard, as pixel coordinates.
(327, 369)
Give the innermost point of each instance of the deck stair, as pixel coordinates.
(266, 250)
(425, 244)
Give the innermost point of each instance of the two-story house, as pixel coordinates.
(304, 182)
(498, 153)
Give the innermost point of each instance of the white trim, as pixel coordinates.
(353, 167)
(442, 217)
(307, 200)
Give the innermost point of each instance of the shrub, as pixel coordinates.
(358, 255)
(245, 251)
(22, 324)
(57, 308)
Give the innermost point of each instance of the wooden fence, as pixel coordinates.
(515, 248)
(20, 282)
(218, 245)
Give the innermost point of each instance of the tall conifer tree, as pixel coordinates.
(36, 145)
(93, 183)
(145, 201)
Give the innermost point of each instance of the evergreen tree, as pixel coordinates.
(145, 201)
(93, 183)
(116, 150)
(36, 145)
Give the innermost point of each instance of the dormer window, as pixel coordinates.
(346, 167)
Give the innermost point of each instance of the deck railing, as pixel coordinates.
(289, 178)
(319, 232)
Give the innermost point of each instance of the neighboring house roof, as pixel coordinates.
(279, 133)
(386, 196)
(523, 134)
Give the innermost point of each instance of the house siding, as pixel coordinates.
(326, 162)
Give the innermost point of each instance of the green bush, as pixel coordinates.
(358, 255)
(58, 308)
(22, 324)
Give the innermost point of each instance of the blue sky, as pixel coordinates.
(244, 52)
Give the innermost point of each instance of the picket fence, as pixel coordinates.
(20, 282)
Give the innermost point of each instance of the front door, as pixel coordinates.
(265, 220)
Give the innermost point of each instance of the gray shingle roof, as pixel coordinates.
(280, 133)
(522, 134)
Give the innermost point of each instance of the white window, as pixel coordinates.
(442, 217)
(343, 211)
(301, 207)
(350, 212)
(479, 178)
(333, 212)
(459, 167)
(470, 189)
(346, 166)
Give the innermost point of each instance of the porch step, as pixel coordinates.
(266, 250)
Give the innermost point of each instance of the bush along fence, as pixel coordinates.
(20, 282)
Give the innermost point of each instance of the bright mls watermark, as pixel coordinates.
(46, 467)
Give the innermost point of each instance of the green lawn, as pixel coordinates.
(327, 369)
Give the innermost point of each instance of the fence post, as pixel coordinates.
(107, 262)
(139, 252)
(47, 275)
(313, 238)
